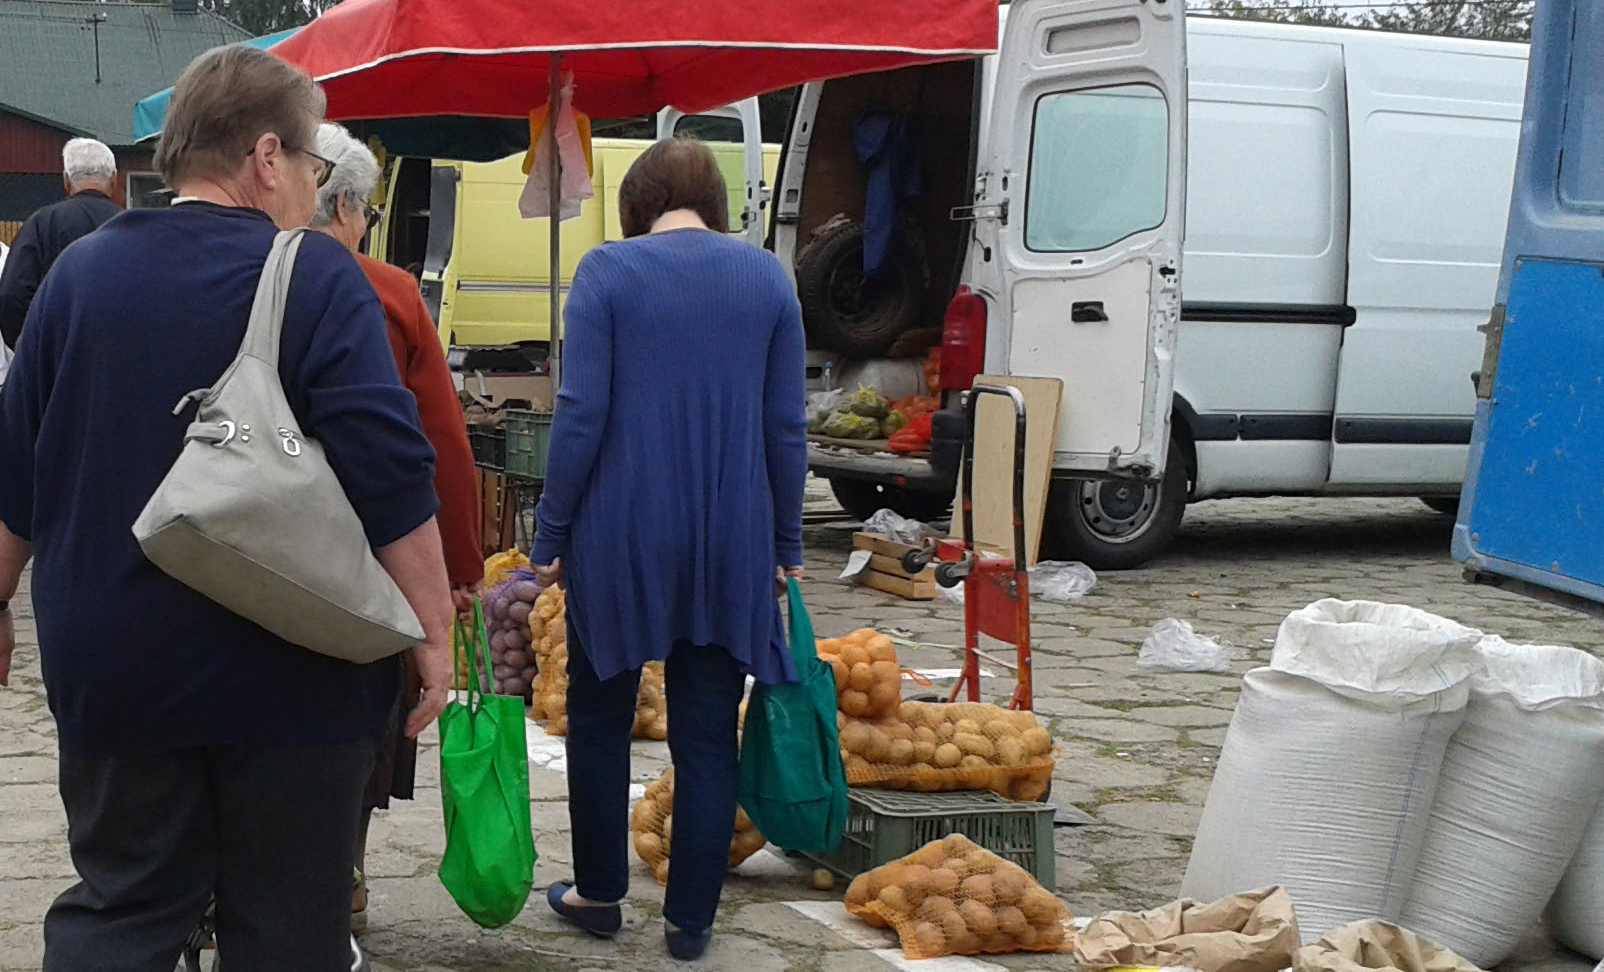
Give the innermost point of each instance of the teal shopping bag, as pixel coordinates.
(793, 785)
(489, 863)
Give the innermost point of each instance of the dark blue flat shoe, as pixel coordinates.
(687, 946)
(603, 921)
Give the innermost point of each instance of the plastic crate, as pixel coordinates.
(489, 446)
(884, 825)
(528, 436)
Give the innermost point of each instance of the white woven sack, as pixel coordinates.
(1576, 914)
(1520, 780)
(1326, 779)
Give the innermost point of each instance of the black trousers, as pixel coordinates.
(269, 830)
(704, 688)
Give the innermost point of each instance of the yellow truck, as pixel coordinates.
(484, 269)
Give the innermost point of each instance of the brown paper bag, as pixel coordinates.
(1252, 932)
(1376, 944)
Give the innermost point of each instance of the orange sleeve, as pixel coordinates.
(424, 371)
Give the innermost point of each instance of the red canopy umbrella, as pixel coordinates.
(379, 59)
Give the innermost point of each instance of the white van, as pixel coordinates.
(1344, 195)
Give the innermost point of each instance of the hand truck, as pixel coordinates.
(996, 588)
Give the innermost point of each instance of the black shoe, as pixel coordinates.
(603, 921)
(687, 946)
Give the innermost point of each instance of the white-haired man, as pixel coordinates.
(89, 171)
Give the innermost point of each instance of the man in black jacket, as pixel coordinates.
(89, 172)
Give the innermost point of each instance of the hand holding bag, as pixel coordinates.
(793, 785)
(252, 515)
(489, 863)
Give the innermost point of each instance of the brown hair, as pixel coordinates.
(676, 173)
(227, 99)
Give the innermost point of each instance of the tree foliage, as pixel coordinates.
(1509, 20)
(264, 16)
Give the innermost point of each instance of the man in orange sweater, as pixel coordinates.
(344, 212)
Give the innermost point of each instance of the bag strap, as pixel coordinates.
(262, 331)
(800, 653)
(266, 324)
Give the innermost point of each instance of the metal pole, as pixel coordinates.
(554, 84)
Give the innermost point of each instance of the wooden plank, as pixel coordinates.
(863, 445)
(901, 586)
(893, 566)
(880, 543)
(994, 464)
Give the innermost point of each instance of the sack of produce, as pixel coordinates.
(498, 566)
(549, 635)
(868, 680)
(651, 823)
(1520, 781)
(550, 700)
(866, 402)
(1376, 946)
(511, 605)
(913, 437)
(1252, 932)
(954, 897)
(1576, 914)
(1326, 779)
(847, 425)
(651, 705)
(932, 747)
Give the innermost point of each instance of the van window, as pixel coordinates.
(1098, 167)
(711, 128)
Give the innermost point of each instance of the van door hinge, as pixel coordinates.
(1494, 330)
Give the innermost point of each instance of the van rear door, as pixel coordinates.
(1079, 220)
(737, 124)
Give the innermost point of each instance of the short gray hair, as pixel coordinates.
(355, 174)
(88, 160)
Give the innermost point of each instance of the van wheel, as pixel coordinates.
(863, 498)
(1114, 524)
(844, 310)
(1446, 505)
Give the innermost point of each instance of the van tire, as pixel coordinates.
(1118, 525)
(840, 310)
(863, 498)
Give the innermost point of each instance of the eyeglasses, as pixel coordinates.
(326, 169)
(374, 214)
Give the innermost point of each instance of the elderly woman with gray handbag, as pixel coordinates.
(207, 453)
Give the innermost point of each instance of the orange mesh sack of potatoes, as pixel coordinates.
(954, 897)
(651, 824)
(548, 632)
(938, 747)
(868, 680)
(651, 706)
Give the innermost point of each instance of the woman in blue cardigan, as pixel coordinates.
(673, 501)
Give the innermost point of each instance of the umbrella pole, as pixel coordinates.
(554, 85)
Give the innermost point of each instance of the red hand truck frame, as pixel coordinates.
(996, 588)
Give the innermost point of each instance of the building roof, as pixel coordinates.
(47, 59)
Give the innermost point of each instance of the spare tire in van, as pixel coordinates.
(842, 309)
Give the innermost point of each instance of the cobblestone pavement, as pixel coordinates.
(1135, 749)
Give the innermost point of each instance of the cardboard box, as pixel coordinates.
(498, 391)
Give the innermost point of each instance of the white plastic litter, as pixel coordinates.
(895, 526)
(1055, 581)
(1061, 581)
(1519, 782)
(1327, 775)
(1174, 647)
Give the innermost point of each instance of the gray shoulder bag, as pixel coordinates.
(252, 516)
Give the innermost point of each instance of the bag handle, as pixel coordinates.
(474, 642)
(266, 324)
(264, 328)
(801, 640)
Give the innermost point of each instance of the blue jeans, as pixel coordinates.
(704, 686)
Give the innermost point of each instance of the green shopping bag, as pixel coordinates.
(489, 863)
(792, 783)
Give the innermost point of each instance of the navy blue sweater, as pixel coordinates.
(678, 451)
(131, 317)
